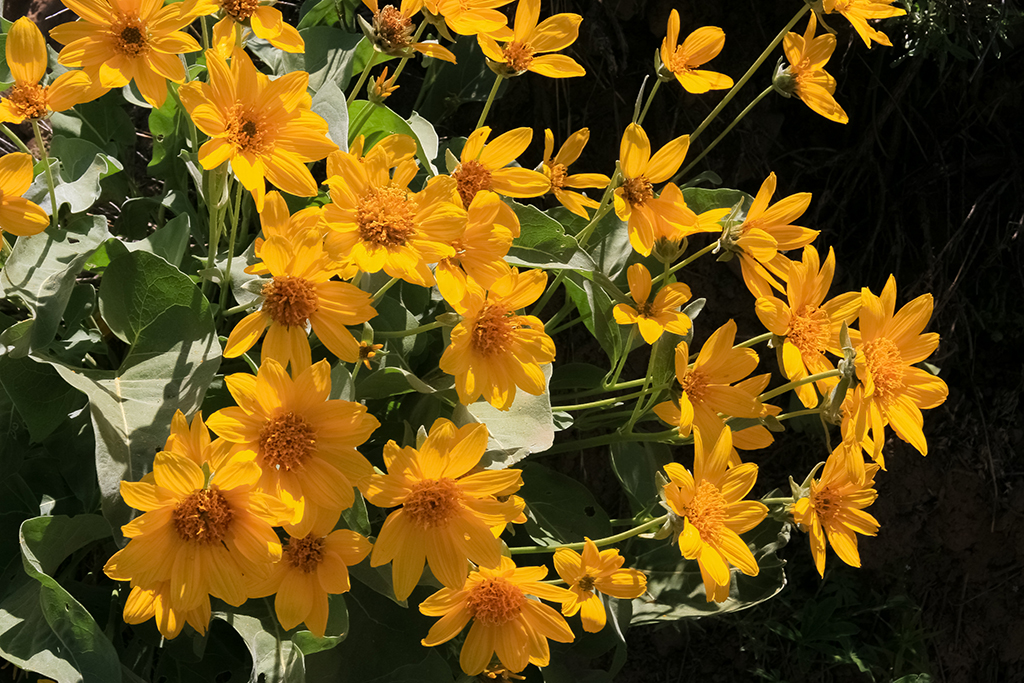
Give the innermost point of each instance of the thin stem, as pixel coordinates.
(407, 333)
(798, 383)
(647, 104)
(552, 323)
(225, 282)
(600, 542)
(241, 308)
(597, 404)
(490, 99)
(638, 410)
(361, 120)
(362, 77)
(756, 340)
(798, 413)
(750, 72)
(548, 293)
(685, 262)
(49, 173)
(777, 501)
(388, 285)
(206, 37)
(14, 138)
(725, 132)
(671, 436)
(415, 39)
(617, 386)
(613, 376)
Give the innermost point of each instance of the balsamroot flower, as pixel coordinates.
(480, 251)
(715, 514)
(124, 40)
(653, 317)
(392, 31)
(682, 61)
(265, 21)
(28, 98)
(485, 166)
(557, 171)
(835, 509)
(18, 215)
(506, 621)
(858, 12)
(493, 351)
(470, 17)
(449, 515)
(806, 77)
(596, 571)
(529, 39)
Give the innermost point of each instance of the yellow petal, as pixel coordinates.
(26, 52)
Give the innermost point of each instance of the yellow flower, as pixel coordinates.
(470, 17)
(393, 31)
(265, 21)
(124, 40)
(304, 443)
(27, 98)
(201, 536)
(596, 570)
(383, 87)
(858, 12)
(194, 442)
(312, 567)
(653, 317)
(706, 390)
(805, 76)
(493, 351)
(506, 621)
(368, 352)
(448, 516)
(557, 171)
(381, 225)
(529, 39)
(486, 166)
(888, 345)
(809, 326)
(715, 514)
(263, 127)
(765, 232)
(480, 251)
(18, 215)
(301, 292)
(682, 61)
(276, 221)
(154, 603)
(835, 508)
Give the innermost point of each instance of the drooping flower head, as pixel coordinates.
(557, 170)
(596, 571)
(494, 351)
(653, 317)
(263, 127)
(304, 444)
(119, 41)
(529, 39)
(806, 77)
(393, 29)
(18, 215)
(682, 61)
(485, 166)
(28, 99)
(448, 516)
(834, 509)
(858, 12)
(506, 621)
(715, 514)
(264, 21)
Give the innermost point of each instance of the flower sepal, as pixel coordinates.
(832, 410)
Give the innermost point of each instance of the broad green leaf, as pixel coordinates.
(468, 80)
(101, 122)
(635, 464)
(42, 398)
(383, 122)
(329, 102)
(542, 242)
(577, 376)
(559, 509)
(78, 167)
(315, 13)
(700, 199)
(328, 57)
(41, 272)
(608, 245)
(168, 242)
(274, 658)
(429, 142)
(595, 308)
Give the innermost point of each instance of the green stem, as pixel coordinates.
(49, 173)
(638, 410)
(603, 402)
(241, 308)
(415, 39)
(407, 333)
(360, 120)
(225, 283)
(798, 383)
(750, 72)
(670, 436)
(559, 315)
(617, 386)
(798, 413)
(756, 340)
(490, 99)
(613, 376)
(777, 501)
(600, 542)
(362, 77)
(602, 210)
(725, 132)
(685, 262)
(214, 184)
(647, 104)
(14, 138)
(206, 37)
(388, 285)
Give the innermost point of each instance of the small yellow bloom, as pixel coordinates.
(506, 621)
(368, 352)
(265, 21)
(480, 251)
(276, 221)
(682, 61)
(557, 171)
(18, 215)
(448, 516)
(485, 166)
(119, 41)
(835, 508)
(806, 77)
(715, 514)
(858, 12)
(522, 53)
(653, 317)
(596, 571)
(383, 87)
(393, 31)
(27, 98)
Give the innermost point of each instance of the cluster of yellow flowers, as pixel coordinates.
(286, 455)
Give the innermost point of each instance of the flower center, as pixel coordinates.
(385, 217)
(240, 10)
(826, 504)
(809, 330)
(637, 190)
(130, 36)
(694, 385)
(305, 553)
(472, 177)
(886, 367)
(248, 131)
(492, 331)
(286, 441)
(495, 601)
(394, 30)
(433, 502)
(646, 309)
(679, 63)
(290, 300)
(707, 511)
(586, 583)
(29, 100)
(203, 517)
(556, 174)
(518, 56)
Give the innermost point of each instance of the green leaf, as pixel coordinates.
(274, 659)
(78, 167)
(559, 509)
(383, 122)
(329, 102)
(43, 628)
(322, 12)
(635, 464)
(577, 376)
(542, 242)
(468, 80)
(101, 122)
(169, 242)
(608, 246)
(595, 308)
(700, 199)
(41, 272)
(42, 398)
(328, 57)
